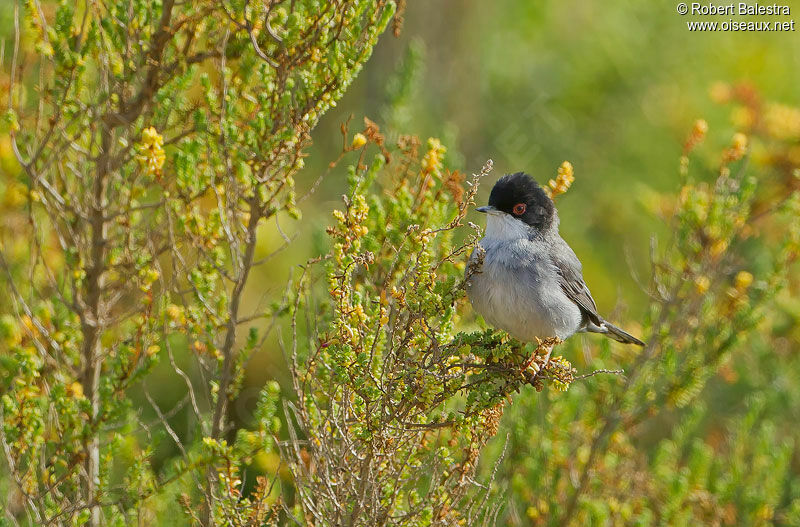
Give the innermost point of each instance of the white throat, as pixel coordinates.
(501, 227)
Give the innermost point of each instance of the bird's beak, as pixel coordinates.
(486, 210)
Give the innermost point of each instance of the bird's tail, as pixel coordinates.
(620, 335)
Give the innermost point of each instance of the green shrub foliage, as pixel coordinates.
(155, 139)
(149, 148)
(394, 405)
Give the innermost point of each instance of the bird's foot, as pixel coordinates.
(537, 363)
(528, 363)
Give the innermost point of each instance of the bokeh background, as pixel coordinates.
(614, 87)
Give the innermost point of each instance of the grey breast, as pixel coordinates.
(517, 290)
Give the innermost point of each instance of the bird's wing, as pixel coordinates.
(570, 278)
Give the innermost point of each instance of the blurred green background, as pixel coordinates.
(611, 86)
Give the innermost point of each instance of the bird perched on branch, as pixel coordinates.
(530, 282)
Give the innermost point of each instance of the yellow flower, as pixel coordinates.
(702, 283)
(743, 280)
(76, 390)
(740, 142)
(151, 137)
(174, 312)
(564, 178)
(432, 161)
(358, 314)
(700, 128)
(765, 512)
(737, 149)
(151, 151)
(719, 247)
(696, 136)
(359, 140)
(149, 275)
(782, 122)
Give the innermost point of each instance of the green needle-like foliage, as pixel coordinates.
(395, 405)
(148, 169)
(155, 140)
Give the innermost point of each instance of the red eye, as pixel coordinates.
(519, 209)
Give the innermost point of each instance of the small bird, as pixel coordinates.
(530, 283)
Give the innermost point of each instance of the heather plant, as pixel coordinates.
(156, 146)
(394, 405)
(155, 142)
(378, 401)
(647, 448)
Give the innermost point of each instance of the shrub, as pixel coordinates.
(158, 138)
(394, 406)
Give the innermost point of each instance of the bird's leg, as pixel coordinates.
(532, 357)
(546, 361)
(528, 362)
(541, 364)
(549, 344)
